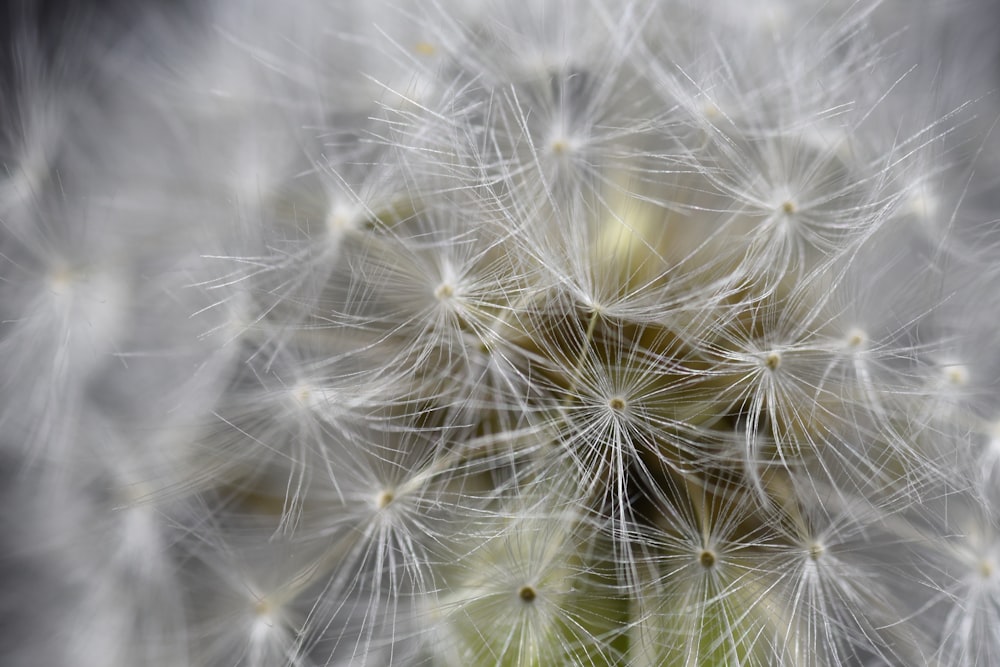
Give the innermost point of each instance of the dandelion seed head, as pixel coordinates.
(536, 335)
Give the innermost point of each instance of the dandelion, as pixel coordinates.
(485, 333)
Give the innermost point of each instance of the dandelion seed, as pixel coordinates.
(773, 361)
(955, 374)
(384, 499)
(425, 48)
(444, 291)
(343, 218)
(856, 339)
